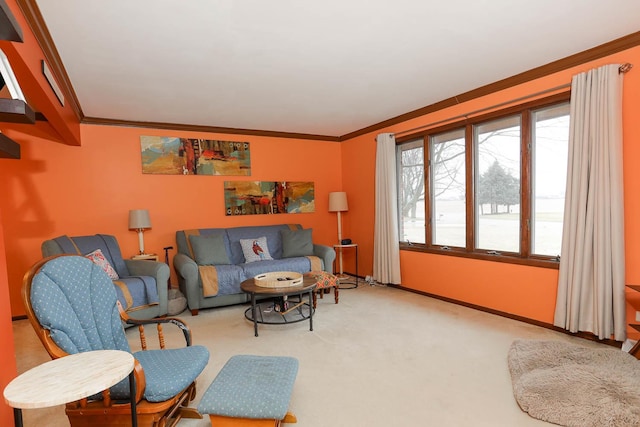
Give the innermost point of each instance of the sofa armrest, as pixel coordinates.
(327, 254)
(160, 271)
(188, 279)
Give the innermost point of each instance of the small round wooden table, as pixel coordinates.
(68, 379)
(307, 287)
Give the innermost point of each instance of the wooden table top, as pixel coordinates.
(68, 379)
(249, 286)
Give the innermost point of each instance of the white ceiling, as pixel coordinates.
(320, 67)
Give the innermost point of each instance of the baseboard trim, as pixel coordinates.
(585, 335)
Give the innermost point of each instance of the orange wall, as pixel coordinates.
(520, 290)
(7, 354)
(57, 189)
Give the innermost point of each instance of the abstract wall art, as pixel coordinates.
(268, 197)
(186, 156)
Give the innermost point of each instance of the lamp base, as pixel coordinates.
(141, 241)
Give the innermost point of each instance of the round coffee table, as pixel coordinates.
(297, 311)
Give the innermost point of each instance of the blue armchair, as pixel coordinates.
(72, 305)
(141, 285)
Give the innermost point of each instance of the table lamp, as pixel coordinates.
(338, 203)
(139, 220)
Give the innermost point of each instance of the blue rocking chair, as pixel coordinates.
(72, 305)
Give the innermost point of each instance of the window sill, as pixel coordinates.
(510, 259)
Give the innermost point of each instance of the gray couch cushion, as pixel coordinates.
(296, 243)
(209, 250)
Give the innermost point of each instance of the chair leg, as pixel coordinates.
(335, 293)
(290, 418)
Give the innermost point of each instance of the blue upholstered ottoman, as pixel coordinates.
(251, 391)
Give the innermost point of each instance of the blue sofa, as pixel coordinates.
(220, 251)
(141, 285)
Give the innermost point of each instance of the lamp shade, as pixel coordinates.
(139, 219)
(338, 201)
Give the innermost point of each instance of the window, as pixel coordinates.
(410, 157)
(491, 187)
(448, 188)
(550, 149)
(497, 184)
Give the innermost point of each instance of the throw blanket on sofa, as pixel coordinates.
(316, 262)
(209, 276)
(208, 273)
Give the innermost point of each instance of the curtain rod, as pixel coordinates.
(622, 69)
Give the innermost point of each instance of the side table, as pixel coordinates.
(68, 379)
(146, 257)
(340, 248)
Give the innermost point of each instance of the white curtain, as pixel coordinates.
(591, 294)
(386, 248)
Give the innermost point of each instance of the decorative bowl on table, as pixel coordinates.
(278, 279)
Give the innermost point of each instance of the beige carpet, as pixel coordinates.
(576, 386)
(381, 357)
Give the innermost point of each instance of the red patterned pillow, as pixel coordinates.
(98, 259)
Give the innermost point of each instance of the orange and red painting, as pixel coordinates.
(268, 197)
(186, 156)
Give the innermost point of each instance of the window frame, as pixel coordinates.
(524, 256)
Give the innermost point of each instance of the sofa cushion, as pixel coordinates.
(271, 232)
(209, 250)
(255, 249)
(97, 257)
(297, 264)
(296, 243)
(229, 278)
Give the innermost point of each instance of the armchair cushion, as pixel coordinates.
(167, 372)
(98, 259)
(66, 307)
(209, 250)
(296, 243)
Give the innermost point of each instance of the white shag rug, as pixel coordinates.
(571, 385)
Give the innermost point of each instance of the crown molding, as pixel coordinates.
(606, 49)
(207, 129)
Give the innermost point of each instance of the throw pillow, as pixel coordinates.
(255, 249)
(98, 259)
(296, 243)
(209, 250)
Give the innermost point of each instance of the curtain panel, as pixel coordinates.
(386, 246)
(591, 295)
